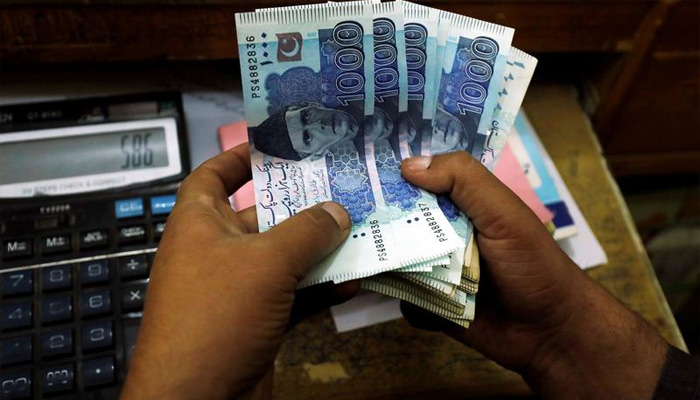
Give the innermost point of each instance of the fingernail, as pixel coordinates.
(338, 213)
(417, 163)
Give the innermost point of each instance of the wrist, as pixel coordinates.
(603, 350)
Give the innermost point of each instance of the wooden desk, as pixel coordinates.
(393, 360)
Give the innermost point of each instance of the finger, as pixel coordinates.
(314, 299)
(249, 218)
(475, 190)
(218, 177)
(305, 239)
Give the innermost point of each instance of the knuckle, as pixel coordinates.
(461, 160)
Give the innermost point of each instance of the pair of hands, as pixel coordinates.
(221, 296)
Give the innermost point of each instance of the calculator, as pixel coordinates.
(86, 187)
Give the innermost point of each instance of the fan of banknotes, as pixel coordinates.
(337, 94)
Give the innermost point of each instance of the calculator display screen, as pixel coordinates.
(69, 156)
(87, 158)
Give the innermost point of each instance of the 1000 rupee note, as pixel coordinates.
(460, 309)
(519, 69)
(416, 221)
(474, 56)
(304, 74)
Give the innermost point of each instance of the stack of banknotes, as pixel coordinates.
(337, 94)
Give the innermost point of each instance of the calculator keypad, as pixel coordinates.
(68, 329)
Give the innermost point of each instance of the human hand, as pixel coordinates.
(220, 294)
(538, 313)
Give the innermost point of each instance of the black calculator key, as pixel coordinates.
(99, 371)
(17, 248)
(133, 297)
(56, 343)
(94, 239)
(16, 315)
(55, 244)
(20, 282)
(16, 385)
(58, 378)
(158, 229)
(132, 267)
(96, 303)
(131, 332)
(56, 309)
(16, 350)
(58, 277)
(132, 234)
(97, 335)
(96, 271)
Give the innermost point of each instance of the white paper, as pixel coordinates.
(367, 308)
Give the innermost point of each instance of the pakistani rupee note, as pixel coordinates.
(304, 75)
(416, 221)
(519, 69)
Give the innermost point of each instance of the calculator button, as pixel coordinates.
(133, 297)
(19, 282)
(16, 315)
(158, 229)
(56, 309)
(132, 234)
(132, 267)
(96, 271)
(99, 371)
(161, 205)
(16, 350)
(128, 208)
(16, 385)
(131, 332)
(55, 244)
(58, 378)
(96, 303)
(94, 239)
(17, 248)
(58, 277)
(56, 343)
(97, 335)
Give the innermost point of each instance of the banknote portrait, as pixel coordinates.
(450, 134)
(303, 131)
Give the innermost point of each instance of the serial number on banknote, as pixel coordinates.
(252, 54)
(432, 223)
(378, 240)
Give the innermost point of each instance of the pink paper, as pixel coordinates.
(232, 135)
(508, 170)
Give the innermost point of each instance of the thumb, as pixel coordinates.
(305, 239)
(493, 208)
